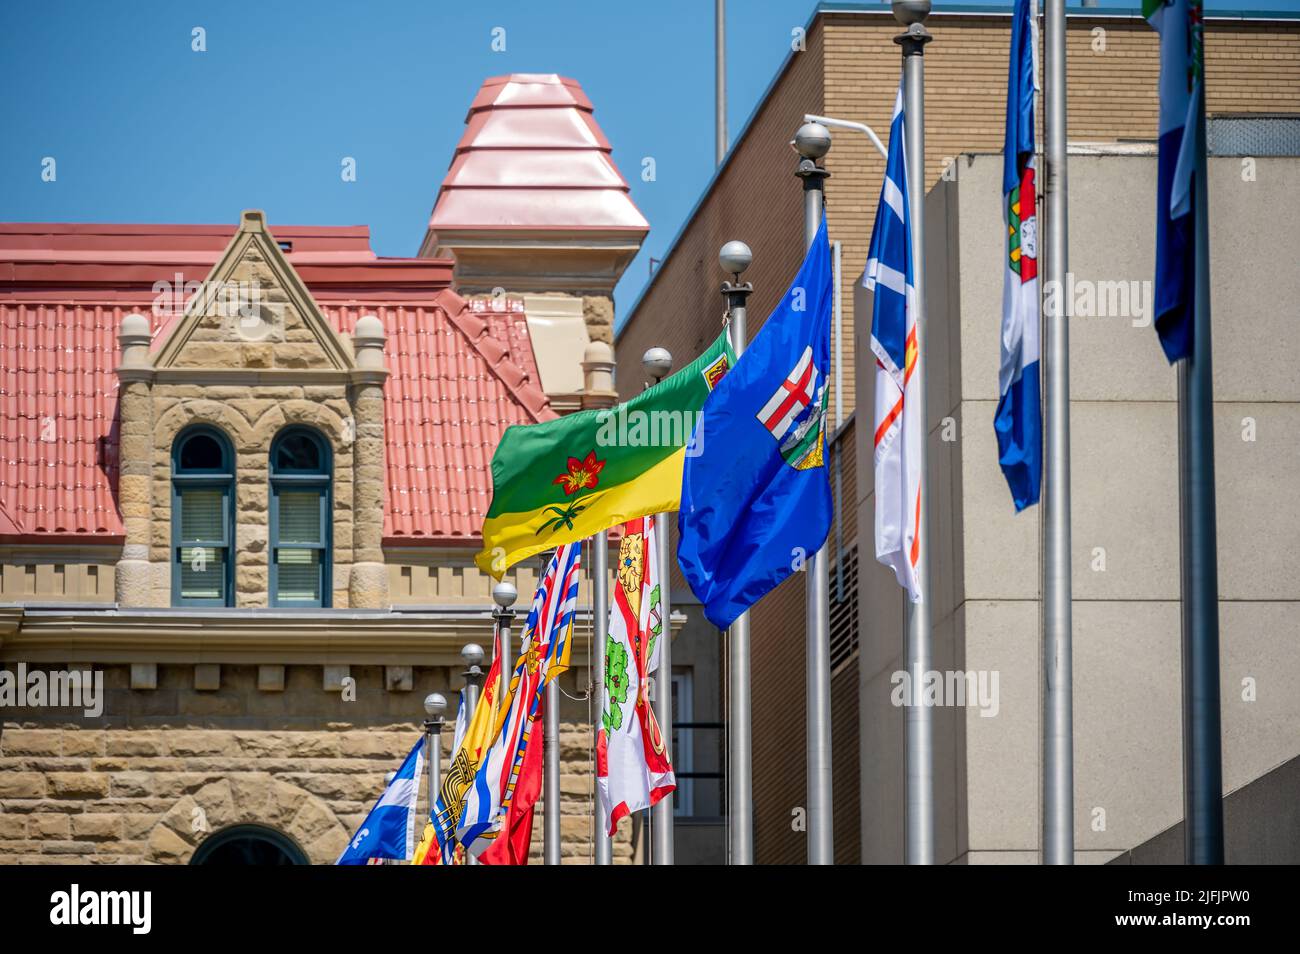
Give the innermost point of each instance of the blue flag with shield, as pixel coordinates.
(756, 495)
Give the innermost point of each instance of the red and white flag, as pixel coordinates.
(632, 766)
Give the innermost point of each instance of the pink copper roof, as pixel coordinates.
(533, 157)
(461, 372)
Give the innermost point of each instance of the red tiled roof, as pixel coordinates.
(459, 374)
(533, 157)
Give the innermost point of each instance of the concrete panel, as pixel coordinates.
(1255, 282)
(1000, 558)
(1115, 356)
(1002, 751)
(882, 767)
(1124, 500)
(981, 255)
(1257, 641)
(1127, 721)
(1257, 500)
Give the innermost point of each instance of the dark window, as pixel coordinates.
(203, 483)
(249, 845)
(300, 519)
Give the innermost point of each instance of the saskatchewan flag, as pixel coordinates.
(570, 478)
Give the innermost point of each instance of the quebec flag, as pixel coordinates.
(756, 496)
(389, 829)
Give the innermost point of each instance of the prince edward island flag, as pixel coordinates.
(756, 499)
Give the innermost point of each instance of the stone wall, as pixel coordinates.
(163, 769)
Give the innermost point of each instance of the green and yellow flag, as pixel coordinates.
(570, 478)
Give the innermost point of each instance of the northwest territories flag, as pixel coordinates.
(756, 499)
(1181, 87)
(544, 655)
(1019, 417)
(899, 430)
(389, 829)
(632, 766)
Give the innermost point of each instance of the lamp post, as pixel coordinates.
(735, 257)
(656, 363)
(435, 704)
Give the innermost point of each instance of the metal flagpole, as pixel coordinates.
(812, 142)
(735, 257)
(1202, 743)
(920, 726)
(472, 653)
(435, 704)
(551, 775)
(1058, 719)
(603, 854)
(720, 79)
(657, 362)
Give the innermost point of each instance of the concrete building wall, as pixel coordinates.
(986, 559)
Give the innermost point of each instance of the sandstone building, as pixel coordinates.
(242, 475)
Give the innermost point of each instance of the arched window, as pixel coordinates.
(203, 485)
(300, 519)
(249, 845)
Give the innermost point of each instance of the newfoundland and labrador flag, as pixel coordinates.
(570, 478)
(1018, 421)
(1182, 85)
(899, 430)
(633, 771)
(388, 832)
(756, 499)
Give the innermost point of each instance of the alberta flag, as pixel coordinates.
(1181, 87)
(389, 829)
(899, 430)
(1019, 417)
(756, 498)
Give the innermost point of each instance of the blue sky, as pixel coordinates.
(143, 129)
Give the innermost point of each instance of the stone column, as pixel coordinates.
(598, 376)
(368, 581)
(133, 577)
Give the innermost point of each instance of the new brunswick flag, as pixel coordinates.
(570, 478)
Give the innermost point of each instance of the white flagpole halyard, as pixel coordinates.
(1058, 718)
(812, 142)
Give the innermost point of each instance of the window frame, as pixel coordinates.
(320, 481)
(221, 478)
